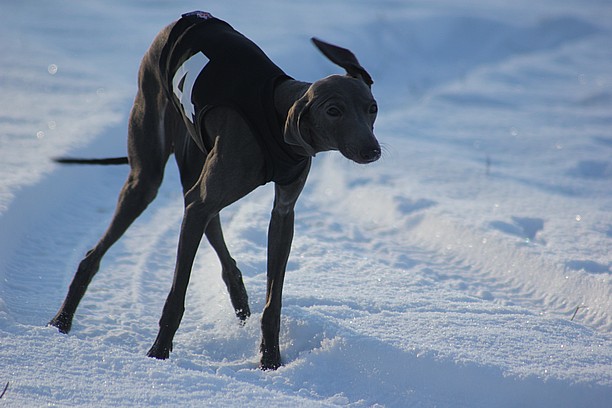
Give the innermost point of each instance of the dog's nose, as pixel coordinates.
(370, 155)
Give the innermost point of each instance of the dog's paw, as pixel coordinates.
(270, 359)
(243, 314)
(61, 321)
(159, 352)
(269, 365)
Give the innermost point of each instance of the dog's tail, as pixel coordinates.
(102, 162)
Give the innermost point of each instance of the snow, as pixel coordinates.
(469, 267)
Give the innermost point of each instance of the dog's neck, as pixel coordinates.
(285, 95)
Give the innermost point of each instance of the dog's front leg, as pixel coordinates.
(194, 223)
(231, 171)
(201, 206)
(280, 236)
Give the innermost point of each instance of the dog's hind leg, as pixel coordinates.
(148, 152)
(230, 272)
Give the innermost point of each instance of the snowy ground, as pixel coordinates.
(470, 267)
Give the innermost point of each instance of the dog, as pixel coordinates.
(234, 121)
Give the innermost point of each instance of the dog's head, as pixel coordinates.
(337, 112)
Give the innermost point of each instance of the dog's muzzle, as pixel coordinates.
(369, 155)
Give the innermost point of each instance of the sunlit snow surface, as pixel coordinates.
(469, 267)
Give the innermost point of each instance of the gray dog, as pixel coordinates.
(234, 121)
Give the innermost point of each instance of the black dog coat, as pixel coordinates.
(206, 63)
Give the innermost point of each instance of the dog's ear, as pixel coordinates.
(295, 130)
(344, 58)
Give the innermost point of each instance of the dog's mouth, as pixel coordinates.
(362, 156)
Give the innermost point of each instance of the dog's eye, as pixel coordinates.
(374, 108)
(334, 112)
